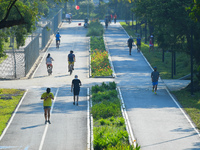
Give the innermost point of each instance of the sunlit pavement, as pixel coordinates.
(157, 121)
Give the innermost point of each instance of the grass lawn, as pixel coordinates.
(7, 106)
(191, 104)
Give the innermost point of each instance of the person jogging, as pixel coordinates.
(47, 98)
(154, 77)
(130, 44)
(75, 87)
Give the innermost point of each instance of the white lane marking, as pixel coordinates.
(191, 123)
(13, 115)
(88, 119)
(47, 125)
(189, 120)
(130, 131)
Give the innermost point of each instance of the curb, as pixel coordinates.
(132, 139)
(175, 101)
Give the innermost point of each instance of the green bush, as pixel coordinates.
(108, 95)
(109, 137)
(97, 43)
(95, 28)
(106, 109)
(104, 87)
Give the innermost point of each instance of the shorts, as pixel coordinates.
(47, 107)
(69, 62)
(150, 45)
(76, 91)
(49, 65)
(155, 83)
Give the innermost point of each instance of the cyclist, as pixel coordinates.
(68, 17)
(71, 60)
(58, 39)
(49, 60)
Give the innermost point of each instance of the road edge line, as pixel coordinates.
(183, 112)
(186, 116)
(132, 139)
(88, 120)
(13, 115)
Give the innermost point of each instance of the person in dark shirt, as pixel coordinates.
(130, 44)
(154, 77)
(75, 87)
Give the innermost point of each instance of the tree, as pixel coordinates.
(21, 15)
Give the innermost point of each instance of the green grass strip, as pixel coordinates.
(7, 106)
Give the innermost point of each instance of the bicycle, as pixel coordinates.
(70, 69)
(57, 43)
(49, 69)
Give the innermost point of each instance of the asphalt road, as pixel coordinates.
(68, 128)
(157, 122)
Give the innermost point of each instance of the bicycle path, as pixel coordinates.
(68, 128)
(156, 120)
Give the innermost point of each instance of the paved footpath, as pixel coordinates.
(68, 130)
(157, 122)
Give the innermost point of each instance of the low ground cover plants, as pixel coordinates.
(95, 28)
(9, 99)
(109, 125)
(100, 65)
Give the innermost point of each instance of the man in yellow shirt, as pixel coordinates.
(47, 98)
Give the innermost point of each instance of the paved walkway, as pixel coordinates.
(157, 122)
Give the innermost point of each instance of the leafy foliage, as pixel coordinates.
(18, 18)
(109, 125)
(95, 28)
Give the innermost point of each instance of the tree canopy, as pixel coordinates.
(21, 16)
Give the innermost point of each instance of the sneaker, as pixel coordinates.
(45, 122)
(73, 103)
(153, 90)
(77, 104)
(155, 93)
(49, 122)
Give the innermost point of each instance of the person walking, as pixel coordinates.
(47, 98)
(130, 44)
(75, 87)
(138, 43)
(154, 77)
(115, 18)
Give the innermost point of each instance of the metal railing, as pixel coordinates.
(19, 61)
